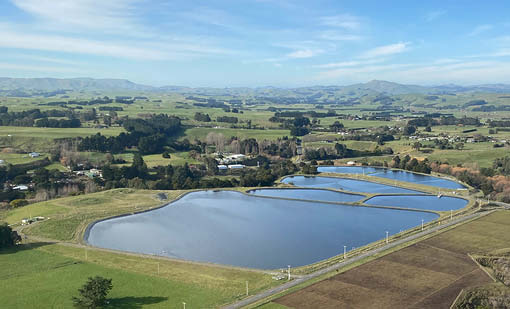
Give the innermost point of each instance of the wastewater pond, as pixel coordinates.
(444, 203)
(309, 194)
(343, 184)
(393, 174)
(232, 228)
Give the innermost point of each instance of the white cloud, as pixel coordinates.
(338, 36)
(345, 64)
(39, 68)
(344, 21)
(41, 59)
(480, 29)
(148, 51)
(386, 50)
(366, 71)
(115, 15)
(469, 72)
(431, 16)
(304, 53)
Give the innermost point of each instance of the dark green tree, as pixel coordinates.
(8, 237)
(93, 293)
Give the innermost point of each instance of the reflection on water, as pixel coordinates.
(393, 174)
(444, 203)
(232, 228)
(343, 184)
(309, 194)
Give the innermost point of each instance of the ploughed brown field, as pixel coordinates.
(429, 274)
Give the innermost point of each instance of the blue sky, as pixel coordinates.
(232, 43)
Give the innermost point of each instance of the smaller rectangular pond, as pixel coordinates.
(309, 194)
(344, 184)
(393, 174)
(426, 202)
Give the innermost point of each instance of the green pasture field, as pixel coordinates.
(51, 273)
(201, 133)
(47, 276)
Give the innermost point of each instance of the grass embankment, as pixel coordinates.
(68, 217)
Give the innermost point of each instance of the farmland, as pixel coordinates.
(172, 142)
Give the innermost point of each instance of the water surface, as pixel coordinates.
(429, 202)
(309, 194)
(393, 174)
(344, 184)
(232, 228)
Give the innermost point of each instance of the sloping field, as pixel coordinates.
(429, 274)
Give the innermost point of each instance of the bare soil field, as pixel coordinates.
(428, 274)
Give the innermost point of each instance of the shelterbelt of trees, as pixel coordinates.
(39, 118)
(149, 136)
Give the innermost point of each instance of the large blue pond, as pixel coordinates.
(393, 174)
(444, 203)
(343, 184)
(232, 228)
(309, 194)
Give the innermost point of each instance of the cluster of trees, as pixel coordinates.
(202, 117)
(411, 164)
(502, 166)
(341, 151)
(499, 123)
(149, 136)
(58, 123)
(379, 138)
(300, 126)
(282, 147)
(185, 177)
(430, 120)
(227, 119)
(8, 237)
(298, 114)
(93, 293)
(28, 118)
(111, 108)
(336, 126)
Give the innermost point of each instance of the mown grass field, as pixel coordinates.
(52, 272)
(48, 275)
(428, 274)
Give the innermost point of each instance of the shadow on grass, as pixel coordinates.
(23, 247)
(134, 302)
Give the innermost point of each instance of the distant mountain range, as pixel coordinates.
(372, 87)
